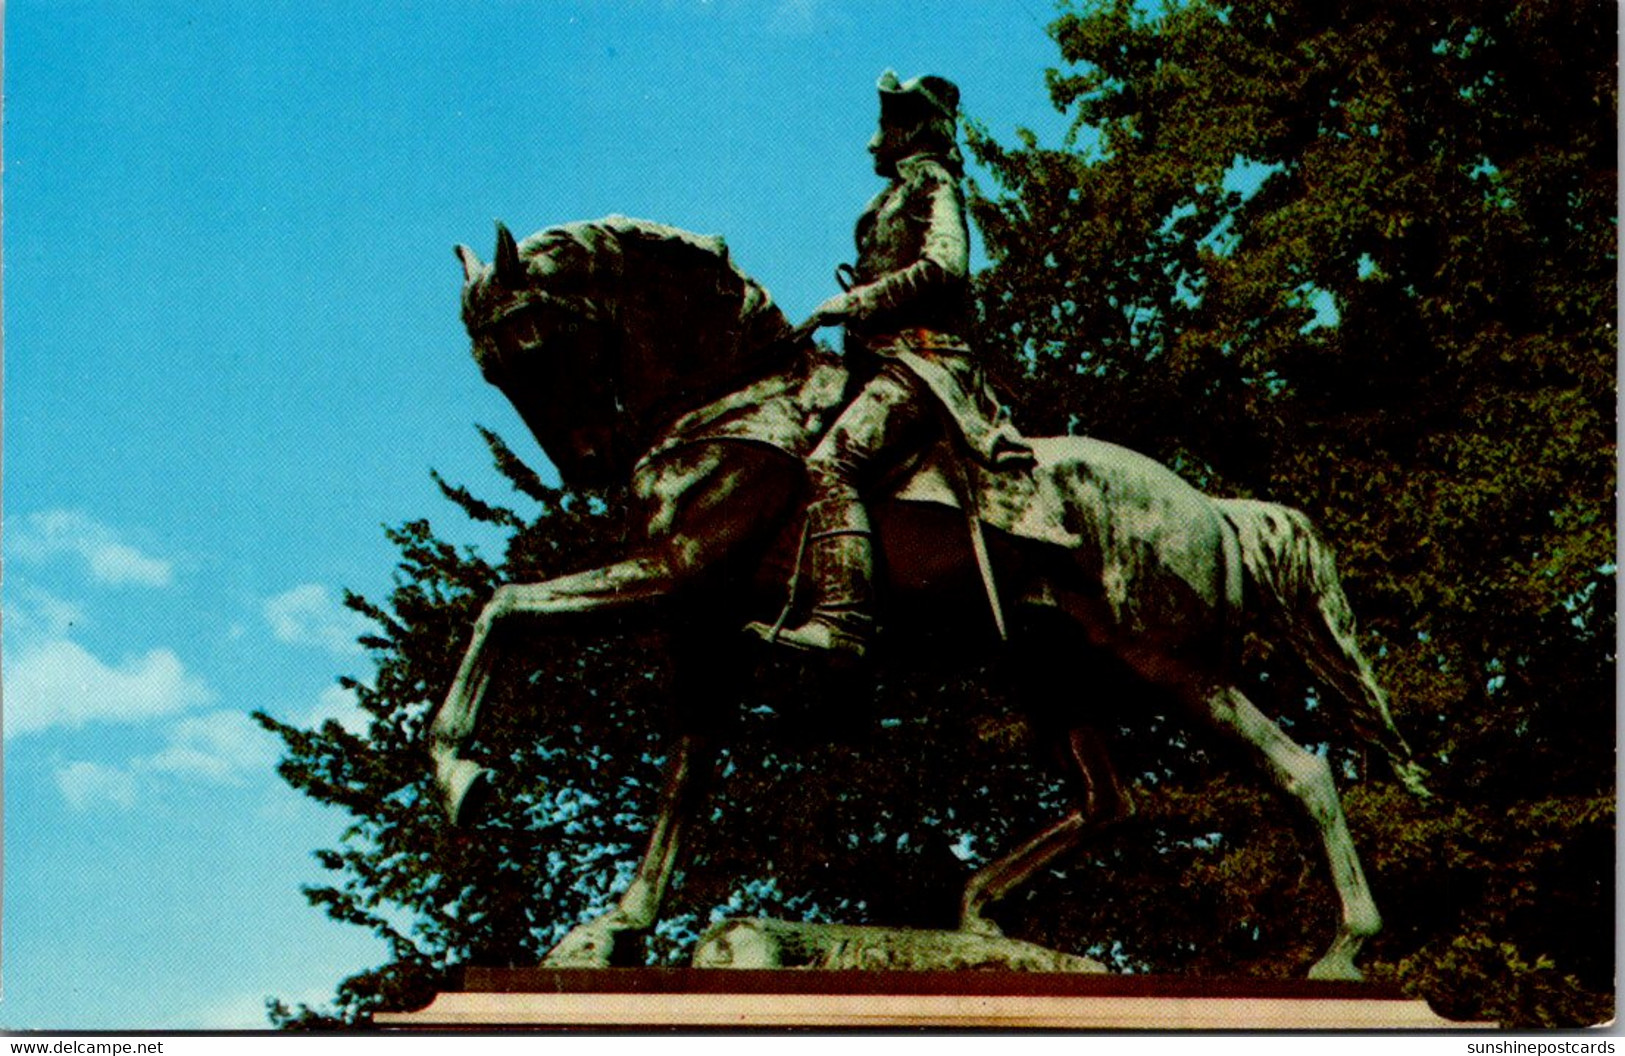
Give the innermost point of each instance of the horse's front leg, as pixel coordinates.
(461, 781)
(592, 945)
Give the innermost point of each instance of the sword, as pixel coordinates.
(978, 542)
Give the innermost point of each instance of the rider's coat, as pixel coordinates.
(910, 300)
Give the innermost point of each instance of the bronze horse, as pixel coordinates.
(634, 350)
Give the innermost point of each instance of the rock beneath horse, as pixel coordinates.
(761, 943)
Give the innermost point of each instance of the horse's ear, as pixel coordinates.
(472, 265)
(509, 270)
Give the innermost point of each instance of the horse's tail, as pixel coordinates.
(1294, 578)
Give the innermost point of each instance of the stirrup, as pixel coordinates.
(822, 633)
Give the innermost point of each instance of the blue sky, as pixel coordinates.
(232, 353)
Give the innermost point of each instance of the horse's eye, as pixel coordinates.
(520, 333)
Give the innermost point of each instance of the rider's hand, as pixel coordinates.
(830, 313)
(833, 311)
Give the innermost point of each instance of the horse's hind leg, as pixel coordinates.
(1307, 778)
(1102, 801)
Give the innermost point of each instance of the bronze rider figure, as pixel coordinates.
(904, 307)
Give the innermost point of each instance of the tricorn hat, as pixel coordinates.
(903, 104)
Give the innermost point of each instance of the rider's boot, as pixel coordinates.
(841, 560)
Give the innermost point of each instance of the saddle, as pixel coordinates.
(790, 408)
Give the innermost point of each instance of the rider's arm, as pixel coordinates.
(944, 256)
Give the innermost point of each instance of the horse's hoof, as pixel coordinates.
(466, 786)
(980, 925)
(1336, 968)
(589, 945)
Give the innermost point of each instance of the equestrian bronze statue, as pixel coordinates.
(757, 460)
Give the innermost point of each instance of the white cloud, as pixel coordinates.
(58, 683)
(86, 785)
(796, 17)
(310, 615)
(34, 614)
(221, 747)
(244, 1011)
(340, 704)
(218, 748)
(56, 533)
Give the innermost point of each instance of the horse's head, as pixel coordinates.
(539, 337)
(602, 332)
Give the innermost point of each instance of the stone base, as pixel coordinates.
(741, 944)
(754, 999)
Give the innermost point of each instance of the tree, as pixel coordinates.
(1362, 261)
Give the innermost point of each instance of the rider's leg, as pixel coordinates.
(887, 418)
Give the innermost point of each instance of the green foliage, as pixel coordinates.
(1362, 260)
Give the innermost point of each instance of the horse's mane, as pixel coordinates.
(667, 323)
(692, 324)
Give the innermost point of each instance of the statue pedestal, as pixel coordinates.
(749, 998)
